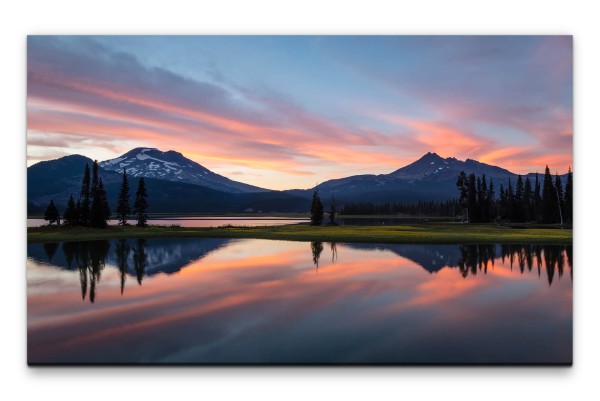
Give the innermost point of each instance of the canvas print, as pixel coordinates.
(299, 200)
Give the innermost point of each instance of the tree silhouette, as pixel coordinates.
(123, 209)
(85, 197)
(51, 215)
(549, 199)
(141, 204)
(569, 197)
(316, 248)
(99, 210)
(316, 210)
(122, 252)
(139, 259)
(70, 214)
(332, 210)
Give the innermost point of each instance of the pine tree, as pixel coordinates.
(462, 185)
(104, 201)
(518, 203)
(141, 204)
(569, 198)
(333, 210)
(560, 198)
(316, 210)
(549, 200)
(99, 211)
(527, 204)
(70, 214)
(537, 200)
(123, 210)
(510, 202)
(51, 215)
(491, 201)
(85, 197)
(472, 199)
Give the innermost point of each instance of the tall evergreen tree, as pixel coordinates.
(94, 183)
(462, 185)
(560, 198)
(549, 199)
(527, 204)
(85, 197)
(316, 210)
(70, 214)
(332, 210)
(510, 202)
(472, 199)
(123, 210)
(141, 204)
(503, 203)
(51, 215)
(491, 201)
(518, 214)
(484, 210)
(537, 200)
(569, 197)
(103, 200)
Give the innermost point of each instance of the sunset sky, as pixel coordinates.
(286, 112)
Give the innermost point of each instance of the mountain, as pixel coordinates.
(57, 179)
(173, 166)
(179, 185)
(430, 178)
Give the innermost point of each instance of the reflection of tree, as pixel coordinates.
(552, 256)
(569, 252)
(90, 258)
(139, 259)
(333, 251)
(122, 251)
(316, 248)
(475, 257)
(50, 249)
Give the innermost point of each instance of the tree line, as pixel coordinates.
(545, 202)
(92, 208)
(427, 208)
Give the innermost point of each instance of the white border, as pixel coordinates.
(293, 17)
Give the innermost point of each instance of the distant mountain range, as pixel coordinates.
(430, 178)
(177, 184)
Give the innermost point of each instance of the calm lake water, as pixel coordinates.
(214, 301)
(203, 221)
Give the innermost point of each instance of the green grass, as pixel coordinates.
(425, 233)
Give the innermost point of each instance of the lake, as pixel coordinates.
(209, 221)
(247, 301)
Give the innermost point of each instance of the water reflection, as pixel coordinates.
(139, 258)
(252, 301)
(316, 248)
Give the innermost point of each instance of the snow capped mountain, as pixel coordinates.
(173, 166)
(433, 167)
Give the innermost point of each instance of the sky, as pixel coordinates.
(284, 112)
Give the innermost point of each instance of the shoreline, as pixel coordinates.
(406, 234)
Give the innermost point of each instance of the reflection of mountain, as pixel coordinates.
(431, 257)
(163, 255)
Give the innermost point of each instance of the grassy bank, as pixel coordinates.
(426, 233)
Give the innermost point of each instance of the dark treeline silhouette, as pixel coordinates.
(431, 208)
(92, 208)
(479, 258)
(316, 210)
(523, 201)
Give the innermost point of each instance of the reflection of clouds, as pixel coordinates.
(249, 301)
